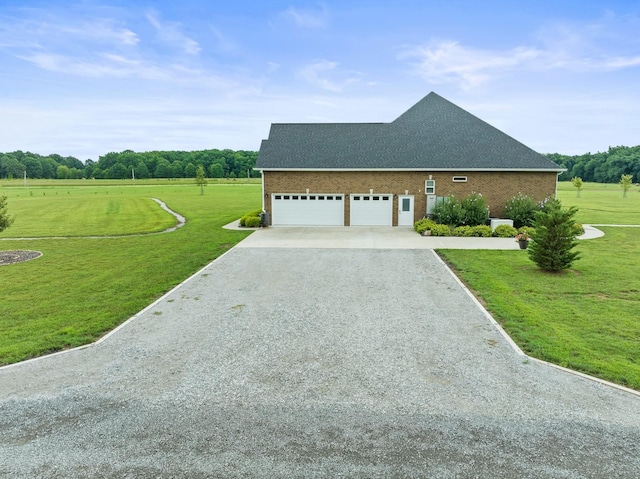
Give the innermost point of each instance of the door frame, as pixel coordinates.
(406, 217)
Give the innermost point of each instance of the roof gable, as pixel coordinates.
(432, 134)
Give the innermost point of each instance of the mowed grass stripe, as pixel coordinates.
(81, 287)
(103, 214)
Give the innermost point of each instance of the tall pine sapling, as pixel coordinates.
(5, 219)
(554, 237)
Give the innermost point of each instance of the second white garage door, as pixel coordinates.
(371, 210)
(307, 210)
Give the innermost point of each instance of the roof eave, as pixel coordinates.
(530, 170)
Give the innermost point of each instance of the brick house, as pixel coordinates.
(349, 174)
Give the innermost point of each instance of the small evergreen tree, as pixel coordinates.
(5, 219)
(201, 180)
(553, 237)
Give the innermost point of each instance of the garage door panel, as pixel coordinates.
(307, 210)
(371, 210)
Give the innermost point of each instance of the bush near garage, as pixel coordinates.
(476, 211)
(440, 230)
(423, 225)
(462, 231)
(472, 210)
(249, 217)
(522, 210)
(481, 231)
(448, 212)
(252, 222)
(505, 231)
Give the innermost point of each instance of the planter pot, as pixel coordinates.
(523, 244)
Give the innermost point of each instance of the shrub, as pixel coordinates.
(471, 210)
(440, 230)
(5, 219)
(423, 225)
(521, 209)
(475, 209)
(505, 231)
(462, 231)
(252, 221)
(448, 212)
(248, 216)
(553, 238)
(527, 230)
(578, 229)
(481, 231)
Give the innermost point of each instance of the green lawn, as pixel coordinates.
(82, 287)
(602, 203)
(587, 318)
(82, 212)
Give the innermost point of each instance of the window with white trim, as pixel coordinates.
(430, 187)
(459, 179)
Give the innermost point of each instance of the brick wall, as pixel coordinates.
(496, 187)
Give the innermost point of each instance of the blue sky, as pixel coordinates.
(84, 78)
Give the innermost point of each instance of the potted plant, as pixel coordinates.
(523, 240)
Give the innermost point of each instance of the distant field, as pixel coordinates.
(83, 287)
(602, 203)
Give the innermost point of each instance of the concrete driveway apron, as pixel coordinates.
(312, 362)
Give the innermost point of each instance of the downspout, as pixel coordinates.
(557, 176)
(262, 180)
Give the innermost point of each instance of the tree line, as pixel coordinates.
(153, 164)
(601, 167)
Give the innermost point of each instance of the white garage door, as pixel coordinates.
(307, 210)
(371, 210)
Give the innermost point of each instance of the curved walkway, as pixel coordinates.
(303, 362)
(181, 221)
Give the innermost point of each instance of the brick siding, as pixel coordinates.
(496, 187)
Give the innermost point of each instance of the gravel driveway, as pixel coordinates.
(312, 363)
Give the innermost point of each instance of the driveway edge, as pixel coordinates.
(517, 349)
(121, 325)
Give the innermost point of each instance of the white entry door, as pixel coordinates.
(405, 210)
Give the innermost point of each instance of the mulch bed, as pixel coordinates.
(17, 256)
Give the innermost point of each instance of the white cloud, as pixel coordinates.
(448, 61)
(171, 33)
(103, 65)
(322, 74)
(40, 30)
(99, 29)
(307, 18)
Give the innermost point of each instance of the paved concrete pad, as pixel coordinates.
(306, 363)
(365, 237)
(376, 237)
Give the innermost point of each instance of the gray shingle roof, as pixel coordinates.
(433, 134)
